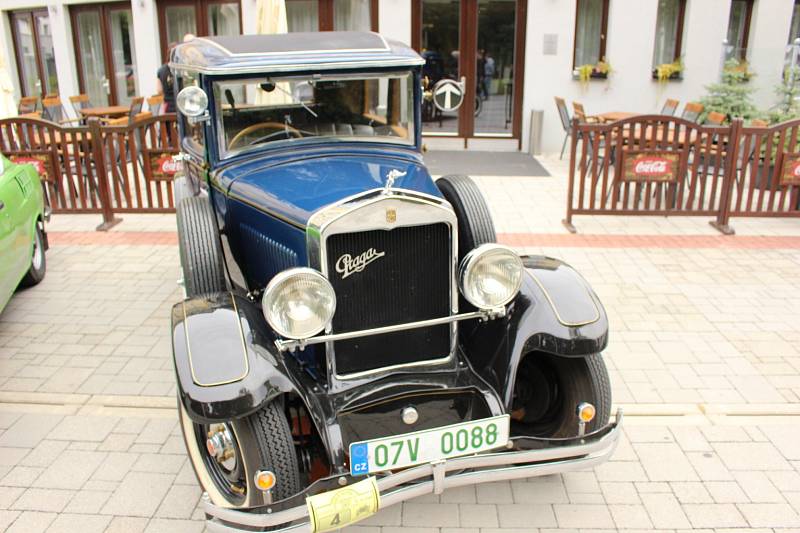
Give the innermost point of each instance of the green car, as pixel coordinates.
(22, 236)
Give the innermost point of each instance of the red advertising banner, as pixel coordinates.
(41, 163)
(162, 165)
(790, 170)
(660, 166)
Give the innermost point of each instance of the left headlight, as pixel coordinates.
(298, 303)
(192, 101)
(491, 276)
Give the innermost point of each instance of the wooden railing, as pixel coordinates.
(95, 168)
(667, 166)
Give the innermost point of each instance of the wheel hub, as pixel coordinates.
(220, 446)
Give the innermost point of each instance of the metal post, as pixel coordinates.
(101, 171)
(571, 184)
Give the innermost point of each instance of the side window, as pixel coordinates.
(591, 28)
(192, 132)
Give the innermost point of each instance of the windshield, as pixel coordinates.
(254, 112)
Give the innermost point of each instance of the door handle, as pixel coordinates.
(107, 85)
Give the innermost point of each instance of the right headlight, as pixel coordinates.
(298, 303)
(490, 276)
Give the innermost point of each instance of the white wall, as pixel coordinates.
(769, 36)
(629, 50)
(394, 20)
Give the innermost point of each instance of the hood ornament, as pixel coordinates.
(390, 178)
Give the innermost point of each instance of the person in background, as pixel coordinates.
(165, 83)
(480, 73)
(488, 74)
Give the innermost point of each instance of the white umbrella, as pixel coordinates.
(8, 105)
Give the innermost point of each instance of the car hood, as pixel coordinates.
(294, 187)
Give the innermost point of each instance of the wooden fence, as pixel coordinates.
(95, 168)
(667, 166)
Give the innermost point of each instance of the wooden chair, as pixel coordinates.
(580, 114)
(692, 111)
(27, 104)
(154, 104)
(53, 110)
(670, 107)
(715, 119)
(566, 122)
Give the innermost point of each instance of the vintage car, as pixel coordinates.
(23, 240)
(352, 335)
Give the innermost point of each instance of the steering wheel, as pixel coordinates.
(260, 126)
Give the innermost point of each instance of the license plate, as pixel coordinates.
(400, 451)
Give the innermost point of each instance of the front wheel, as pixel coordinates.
(226, 456)
(38, 266)
(548, 390)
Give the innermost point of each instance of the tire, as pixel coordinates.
(200, 250)
(548, 390)
(38, 266)
(181, 189)
(263, 441)
(475, 226)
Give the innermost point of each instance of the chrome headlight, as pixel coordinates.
(192, 101)
(490, 276)
(298, 303)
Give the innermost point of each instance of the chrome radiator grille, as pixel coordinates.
(409, 282)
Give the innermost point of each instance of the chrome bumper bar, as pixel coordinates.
(291, 345)
(589, 451)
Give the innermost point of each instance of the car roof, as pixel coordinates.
(300, 51)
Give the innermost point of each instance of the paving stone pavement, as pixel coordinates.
(702, 357)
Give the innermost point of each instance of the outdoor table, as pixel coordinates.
(105, 111)
(614, 116)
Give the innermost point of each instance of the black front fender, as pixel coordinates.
(555, 312)
(226, 364)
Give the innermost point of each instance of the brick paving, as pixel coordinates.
(702, 358)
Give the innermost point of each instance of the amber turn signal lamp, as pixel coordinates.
(586, 412)
(264, 479)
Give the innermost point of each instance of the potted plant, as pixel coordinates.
(669, 71)
(598, 71)
(731, 96)
(739, 67)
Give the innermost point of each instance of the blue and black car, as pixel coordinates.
(352, 335)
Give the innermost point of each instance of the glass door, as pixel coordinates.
(105, 48)
(33, 44)
(123, 59)
(93, 76)
(177, 18)
(440, 46)
(477, 41)
(494, 101)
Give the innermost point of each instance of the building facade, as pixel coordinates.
(607, 54)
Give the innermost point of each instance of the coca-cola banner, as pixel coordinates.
(790, 170)
(41, 162)
(162, 165)
(660, 166)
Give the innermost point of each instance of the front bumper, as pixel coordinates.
(533, 457)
